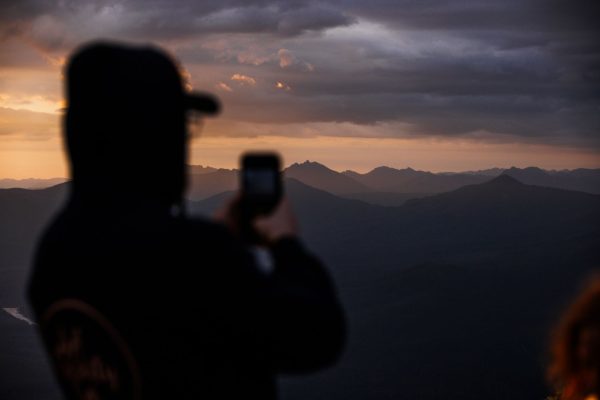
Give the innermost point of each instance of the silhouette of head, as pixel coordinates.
(125, 125)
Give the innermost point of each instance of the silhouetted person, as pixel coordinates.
(575, 369)
(136, 300)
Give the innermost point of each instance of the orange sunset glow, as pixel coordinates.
(315, 96)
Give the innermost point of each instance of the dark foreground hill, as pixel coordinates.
(23, 366)
(450, 296)
(499, 217)
(23, 215)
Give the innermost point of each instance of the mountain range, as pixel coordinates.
(449, 295)
(382, 185)
(387, 186)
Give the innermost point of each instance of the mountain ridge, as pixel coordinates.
(383, 185)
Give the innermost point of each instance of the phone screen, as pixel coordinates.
(260, 181)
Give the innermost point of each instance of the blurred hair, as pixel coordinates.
(576, 375)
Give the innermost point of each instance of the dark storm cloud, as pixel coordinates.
(550, 122)
(524, 69)
(159, 20)
(489, 15)
(515, 69)
(437, 83)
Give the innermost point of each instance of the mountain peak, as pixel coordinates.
(384, 168)
(504, 180)
(308, 164)
(200, 169)
(530, 171)
(320, 177)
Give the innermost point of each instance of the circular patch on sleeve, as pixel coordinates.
(90, 357)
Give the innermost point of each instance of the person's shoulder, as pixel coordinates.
(200, 224)
(55, 230)
(212, 240)
(209, 231)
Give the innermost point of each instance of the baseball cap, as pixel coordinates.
(132, 77)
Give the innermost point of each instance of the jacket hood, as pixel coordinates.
(125, 125)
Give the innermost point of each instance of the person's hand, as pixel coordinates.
(277, 225)
(229, 214)
(270, 228)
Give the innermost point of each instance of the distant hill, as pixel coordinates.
(386, 179)
(491, 172)
(503, 214)
(386, 199)
(584, 180)
(207, 183)
(320, 177)
(200, 169)
(408, 180)
(31, 183)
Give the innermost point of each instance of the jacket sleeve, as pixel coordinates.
(306, 323)
(293, 313)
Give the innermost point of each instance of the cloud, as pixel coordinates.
(274, 17)
(285, 58)
(288, 60)
(438, 84)
(519, 70)
(243, 79)
(49, 33)
(461, 15)
(166, 19)
(282, 85)
(37, 103)
(253, 57)
(223, 86)
(29, 125)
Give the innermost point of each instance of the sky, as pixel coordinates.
(434, 85)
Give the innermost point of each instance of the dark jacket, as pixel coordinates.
(134, 302)
(174, 307)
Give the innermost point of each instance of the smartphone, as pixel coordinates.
(261, 186)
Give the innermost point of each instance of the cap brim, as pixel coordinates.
(203, 102)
